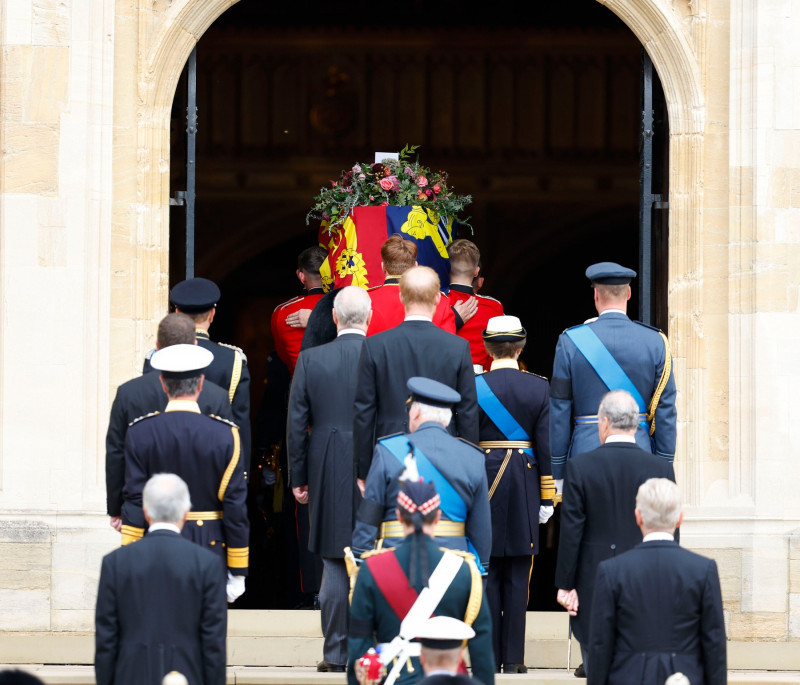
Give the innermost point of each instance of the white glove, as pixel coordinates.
(545, 513)
(235, 587)
(559, 485)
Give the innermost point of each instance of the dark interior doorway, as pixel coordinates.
(535, 114)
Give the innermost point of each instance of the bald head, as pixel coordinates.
(419, 291)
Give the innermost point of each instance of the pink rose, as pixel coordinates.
(371, 198)
(386, 184)
(428, 192)
(408, 171)
(422, 181)
(437, 188)
(361, 177)
(356, 169)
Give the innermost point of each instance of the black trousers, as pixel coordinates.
(507, 592)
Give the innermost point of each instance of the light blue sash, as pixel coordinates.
(499, 415)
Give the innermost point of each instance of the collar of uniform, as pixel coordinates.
(317, 290)
(163, 525)
(462, 288)
(418, 317)
(347, 331)
(650, 537)
(620, 438)
(613, 311)
(202, 333)
(430, 424)
(392, 280)
(183, 405)
(505, 364)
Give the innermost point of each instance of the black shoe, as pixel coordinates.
(580, 672)
(515, 668)
(324, 667)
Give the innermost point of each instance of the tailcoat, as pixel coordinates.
(657, 610)
(460, 463)
(320, 440)
(388, 360)
(372, 620)
(597, 520)
(205, 452)
(136, 398)
(160, 607)
(472, 330)
(576, 388)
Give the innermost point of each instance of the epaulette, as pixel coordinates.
(228, 421)
(544, 378)
(571, 327)
(142, 418)
(150, 353)
(374, 287)
(283, 304)
(471, 444)
(235, 349)
(488, 297)
(372, 552)
(647, 325)
(391, 435)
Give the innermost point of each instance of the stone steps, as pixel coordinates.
(276, 640)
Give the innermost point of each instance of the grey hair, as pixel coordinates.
(659, 502)
(441, 659)
(352, 305)
(180, 387)
(621, 410)
(166, 498)
(441, 415)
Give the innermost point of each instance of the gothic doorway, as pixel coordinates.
(539, 119)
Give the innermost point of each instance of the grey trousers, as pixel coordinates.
(334, 610)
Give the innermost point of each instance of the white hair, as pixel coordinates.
(166, 498)
(352, 305)
(621, 410)
(659, 503)
(441, 415)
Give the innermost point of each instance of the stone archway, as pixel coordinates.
(166, 33)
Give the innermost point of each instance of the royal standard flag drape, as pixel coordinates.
(354, 248)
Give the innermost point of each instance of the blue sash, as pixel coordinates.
(600, 359)
(499, 415)
(452, 505)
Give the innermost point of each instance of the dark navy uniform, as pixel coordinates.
(136, 398)
(372, 619)
(516, 494)
(459, 462)
(642, 353)
(205, 452)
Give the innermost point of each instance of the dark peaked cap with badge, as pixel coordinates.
(431, 392)
(195, 295)
(181, 361)
(504, 329)
(609, 273)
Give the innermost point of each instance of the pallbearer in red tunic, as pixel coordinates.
(290, 318)
(398, 255)
(464, 268)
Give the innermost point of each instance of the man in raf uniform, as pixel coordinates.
(289, 319)
(319, 440)
(197, 298)
(414, 348)
(514, 435)
(464, 268)
(388, 599)
(398, 255)
(610, 352)
(204, 451)
(144, 395)
(454, 466)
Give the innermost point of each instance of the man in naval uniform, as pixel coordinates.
(514, 435)
(610, 352)
(204, 451)
(289, 319)
(464, 268)
(414, 348)
(385, 602)
(455, 466)
(197, 298)
(143, 395)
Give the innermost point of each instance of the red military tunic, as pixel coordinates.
(287, 339)
(472, 330)
(388, 311)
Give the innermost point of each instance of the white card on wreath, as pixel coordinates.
(380, 156)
